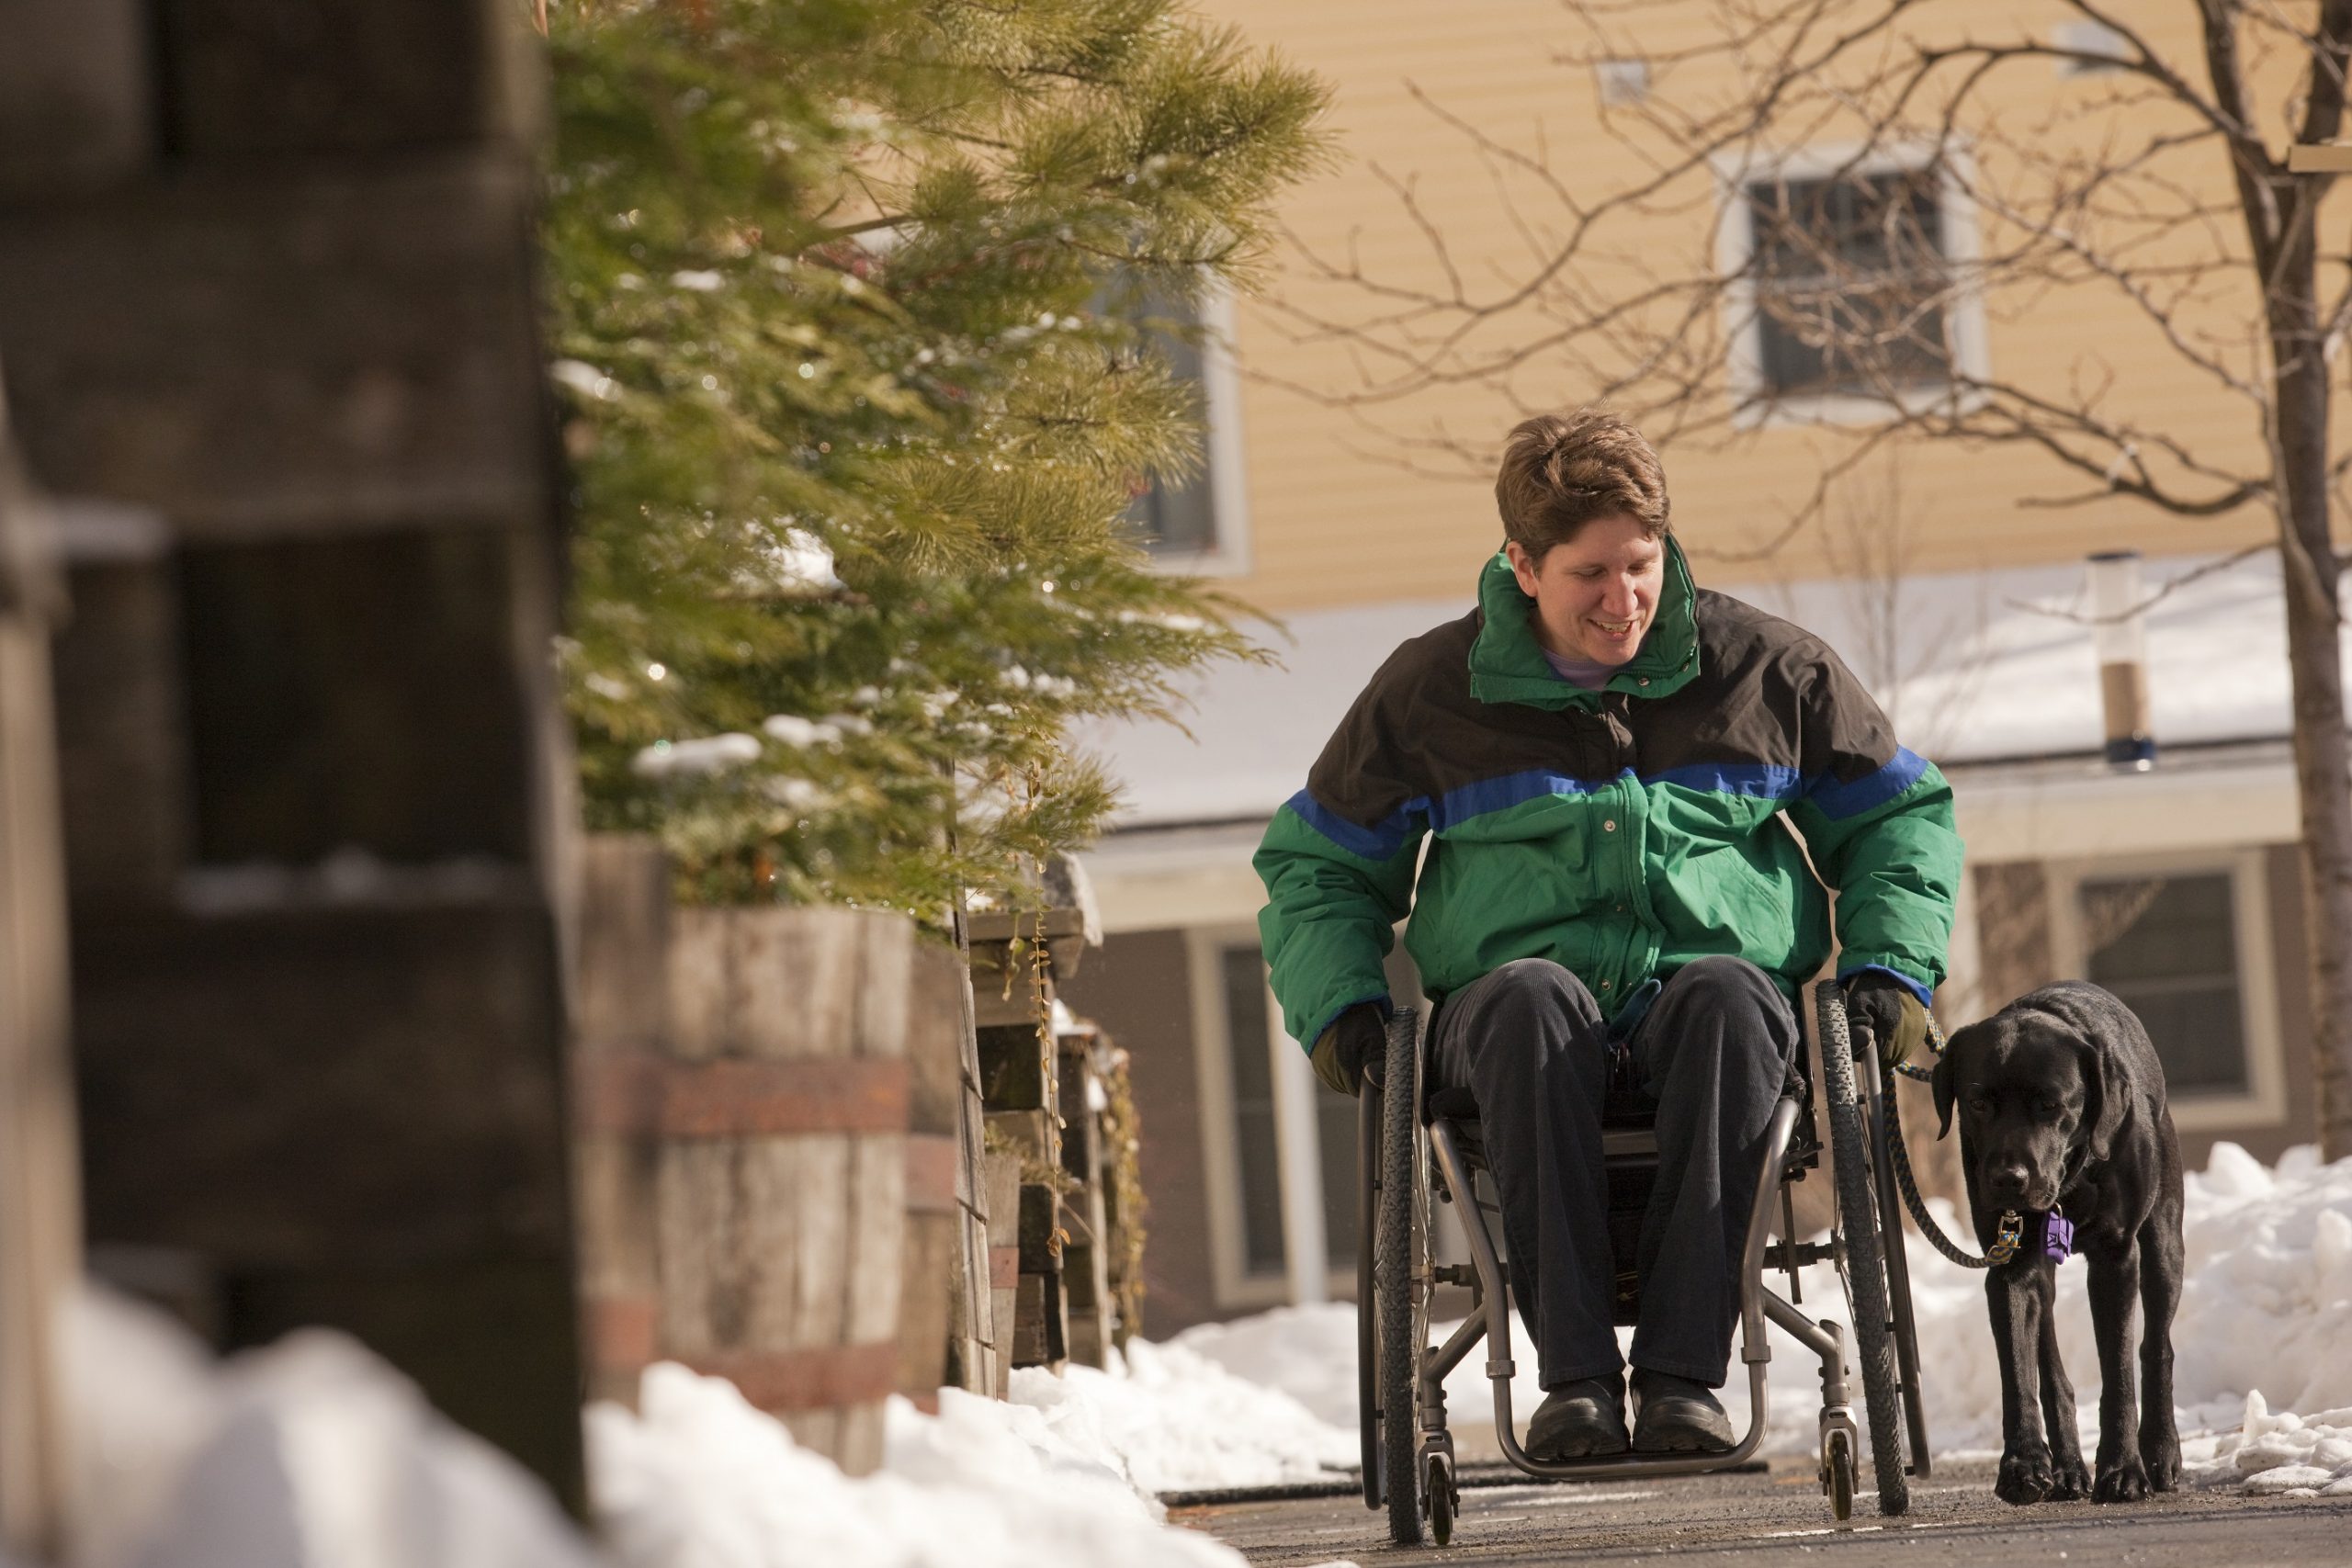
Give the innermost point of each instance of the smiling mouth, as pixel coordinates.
(1614, 628)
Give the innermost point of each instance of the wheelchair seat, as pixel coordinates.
(1628, 1152)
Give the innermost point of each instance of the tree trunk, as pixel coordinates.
(2314, 656)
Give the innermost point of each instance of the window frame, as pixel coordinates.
(1221, 417)
(2263, 1102)
(1296, 1149)
(1742, 321)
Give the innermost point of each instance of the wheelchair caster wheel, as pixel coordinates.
(1837, 1476)
(1439, 1496)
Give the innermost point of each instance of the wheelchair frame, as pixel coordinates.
(1408, 1462)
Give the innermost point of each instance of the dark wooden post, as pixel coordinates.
(1039, 1085)
(267, 271)
(1086, 1248)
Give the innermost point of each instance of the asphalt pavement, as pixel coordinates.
(1781, 1517)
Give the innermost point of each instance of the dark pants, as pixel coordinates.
(1532, 1043)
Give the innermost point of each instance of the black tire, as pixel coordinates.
(1436, 1485)
(1878, 1085)
(1393, 1282)
(1841, 1479)
(1367, 1295)
(1865, 1261)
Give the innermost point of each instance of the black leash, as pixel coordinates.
(2012, 1233)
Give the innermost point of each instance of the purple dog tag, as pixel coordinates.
(2057, 1236)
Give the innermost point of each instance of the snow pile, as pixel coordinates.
(1307, 1352)
(1170, 1418)
(702, 1480)
(314, 1453)
(310, 1454)
(2266, 1316)
(2288, 1454)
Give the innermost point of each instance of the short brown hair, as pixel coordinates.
(1562, 470)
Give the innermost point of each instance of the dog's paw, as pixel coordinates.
(2025, 1476)
(2122, 1480)
(2071, 1479)
(2160, 1452)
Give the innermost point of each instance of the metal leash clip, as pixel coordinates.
(2005, 1246)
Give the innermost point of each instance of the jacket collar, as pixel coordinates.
(1506, 664)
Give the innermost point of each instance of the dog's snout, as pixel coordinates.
(2006, 1180)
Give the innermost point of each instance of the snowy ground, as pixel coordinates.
(2265, 1322)
(314, 1454)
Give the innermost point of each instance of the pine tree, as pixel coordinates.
(853, 309)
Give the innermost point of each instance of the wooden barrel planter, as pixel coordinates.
(772, 1119)
(946, 1325)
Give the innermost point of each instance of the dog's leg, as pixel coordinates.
(2115, 1311)
(2160, 1271)
(2017, 1310)
(2071, 1478)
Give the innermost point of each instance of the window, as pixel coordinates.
(2184, 944)
(1256, 1141)
(1849, 272)
(1280, 1150)
(1849, 286)
(1201, 524)
(2167, 946)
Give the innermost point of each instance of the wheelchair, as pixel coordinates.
(1419, 1148)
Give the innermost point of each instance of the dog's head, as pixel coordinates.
(2031, 1085)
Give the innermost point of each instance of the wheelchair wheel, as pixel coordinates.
(1400, 1280)
(1865, 1262)
(1368, 1127)
(1437, 1484)
(1879, 1113)
(1841, 1463)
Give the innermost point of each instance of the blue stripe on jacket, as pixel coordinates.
(1838, 801)
(1762, 780)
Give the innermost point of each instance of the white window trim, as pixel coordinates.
(2264, 1104)
(1743, 330)
(1221, 415)
(1297, 1152)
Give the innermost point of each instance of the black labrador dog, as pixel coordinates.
(2062, 1106)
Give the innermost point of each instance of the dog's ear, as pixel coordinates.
(2107, 1098)
(1944, 1087)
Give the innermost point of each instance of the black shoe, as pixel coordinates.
(1675, 1415)
(1579, 1420)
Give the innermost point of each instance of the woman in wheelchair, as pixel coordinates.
(1582, 792)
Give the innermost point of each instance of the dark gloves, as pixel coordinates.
(1357, 1039)
(1890, 1010)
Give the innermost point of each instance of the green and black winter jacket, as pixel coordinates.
(1621, 833)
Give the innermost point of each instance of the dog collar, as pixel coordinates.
(2057, 1236)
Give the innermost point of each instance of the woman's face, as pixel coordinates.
(1595, 595)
